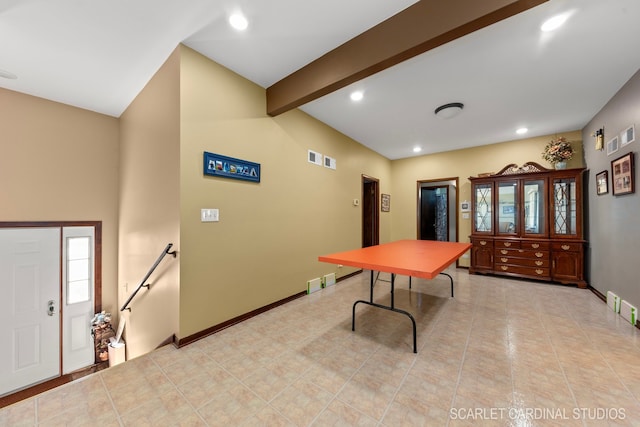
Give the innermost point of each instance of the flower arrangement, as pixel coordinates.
(558, 150)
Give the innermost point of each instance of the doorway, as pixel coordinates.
(50, 289)
(438, 210)
(370, 211)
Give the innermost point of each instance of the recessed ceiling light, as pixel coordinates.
(522, 131)
(553, 23)
(357, 95)
(238, 21)
(417, 149)
(7, 75)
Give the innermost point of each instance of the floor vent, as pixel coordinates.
(314, 285)
(629, 312)
(613, 301)
(329, 279)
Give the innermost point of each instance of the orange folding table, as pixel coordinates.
(414, 258)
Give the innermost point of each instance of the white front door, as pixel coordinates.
(29, 306)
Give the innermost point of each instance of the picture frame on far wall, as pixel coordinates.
(385, 205)
(602, 183)
(622, 175)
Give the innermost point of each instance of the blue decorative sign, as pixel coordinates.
(228, 167)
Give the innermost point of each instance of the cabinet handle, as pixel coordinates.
(539, 254)
(566, 247)
(521, 250)
(504, 267)
(482, 242)
(507, 244)
(539, 263)
(539, 271)
(503, 252)
(504, 259)
(535, 245)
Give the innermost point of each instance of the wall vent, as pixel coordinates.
(613, 301)
(628, 312)
(315, 158)
(329, 162)
(314, 285)
(329, 279)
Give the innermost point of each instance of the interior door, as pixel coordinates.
(370, 218)
(434, 217)
(29, 306)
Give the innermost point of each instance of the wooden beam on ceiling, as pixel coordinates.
(419, 28)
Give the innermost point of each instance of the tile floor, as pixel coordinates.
(502, 352)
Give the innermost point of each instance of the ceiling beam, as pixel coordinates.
(419, 28)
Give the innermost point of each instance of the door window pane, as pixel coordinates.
(507, 212)
(534, 208)
(78, 269)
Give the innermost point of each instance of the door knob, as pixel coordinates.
(51, 310)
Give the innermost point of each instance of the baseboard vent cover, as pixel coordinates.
(613, 301)
(628, 312)
(314, 285)
(329, 279)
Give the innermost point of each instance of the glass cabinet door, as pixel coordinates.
(483, 208)
(534, 207)
(507, 207)
(564, 207)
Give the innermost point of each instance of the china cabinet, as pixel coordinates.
(527, 222)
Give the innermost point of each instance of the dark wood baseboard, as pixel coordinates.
(597, 293)
(178, 343)
(28, 392)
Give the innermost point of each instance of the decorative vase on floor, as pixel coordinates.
(561, 165)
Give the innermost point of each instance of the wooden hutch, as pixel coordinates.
(527, 222)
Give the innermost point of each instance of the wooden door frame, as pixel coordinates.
(365, 179)
(441, 182)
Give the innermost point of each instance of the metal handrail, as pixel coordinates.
(153, 267)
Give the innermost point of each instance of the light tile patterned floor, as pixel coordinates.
(501, 353)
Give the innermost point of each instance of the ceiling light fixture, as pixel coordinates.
(238, 21)
(553, 23)
(450, 110)
(417, 149)
(522, 131)
(7, 75)
(357, 95)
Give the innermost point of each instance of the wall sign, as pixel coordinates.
(228, 167)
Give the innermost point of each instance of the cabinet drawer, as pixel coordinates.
(544, 246)
(483, 243)
(507, 244)
(522, 253)
(527, 271)
(524, 262)
(567, 247)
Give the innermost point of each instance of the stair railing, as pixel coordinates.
(153, 267)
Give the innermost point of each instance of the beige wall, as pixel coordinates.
(266, 244)
(462, 164)
(60, 163)
(150, 209)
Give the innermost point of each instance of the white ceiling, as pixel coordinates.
(99, 55)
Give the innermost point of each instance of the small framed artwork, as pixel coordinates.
(465, 206)
(385, 205)
(628, 136)
(602, 183)
(612, 146)
(622, 175)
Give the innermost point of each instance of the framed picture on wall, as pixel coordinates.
(622, 175)
(602, 183)
(385, 204)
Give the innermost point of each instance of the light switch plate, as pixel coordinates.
(209, 215)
